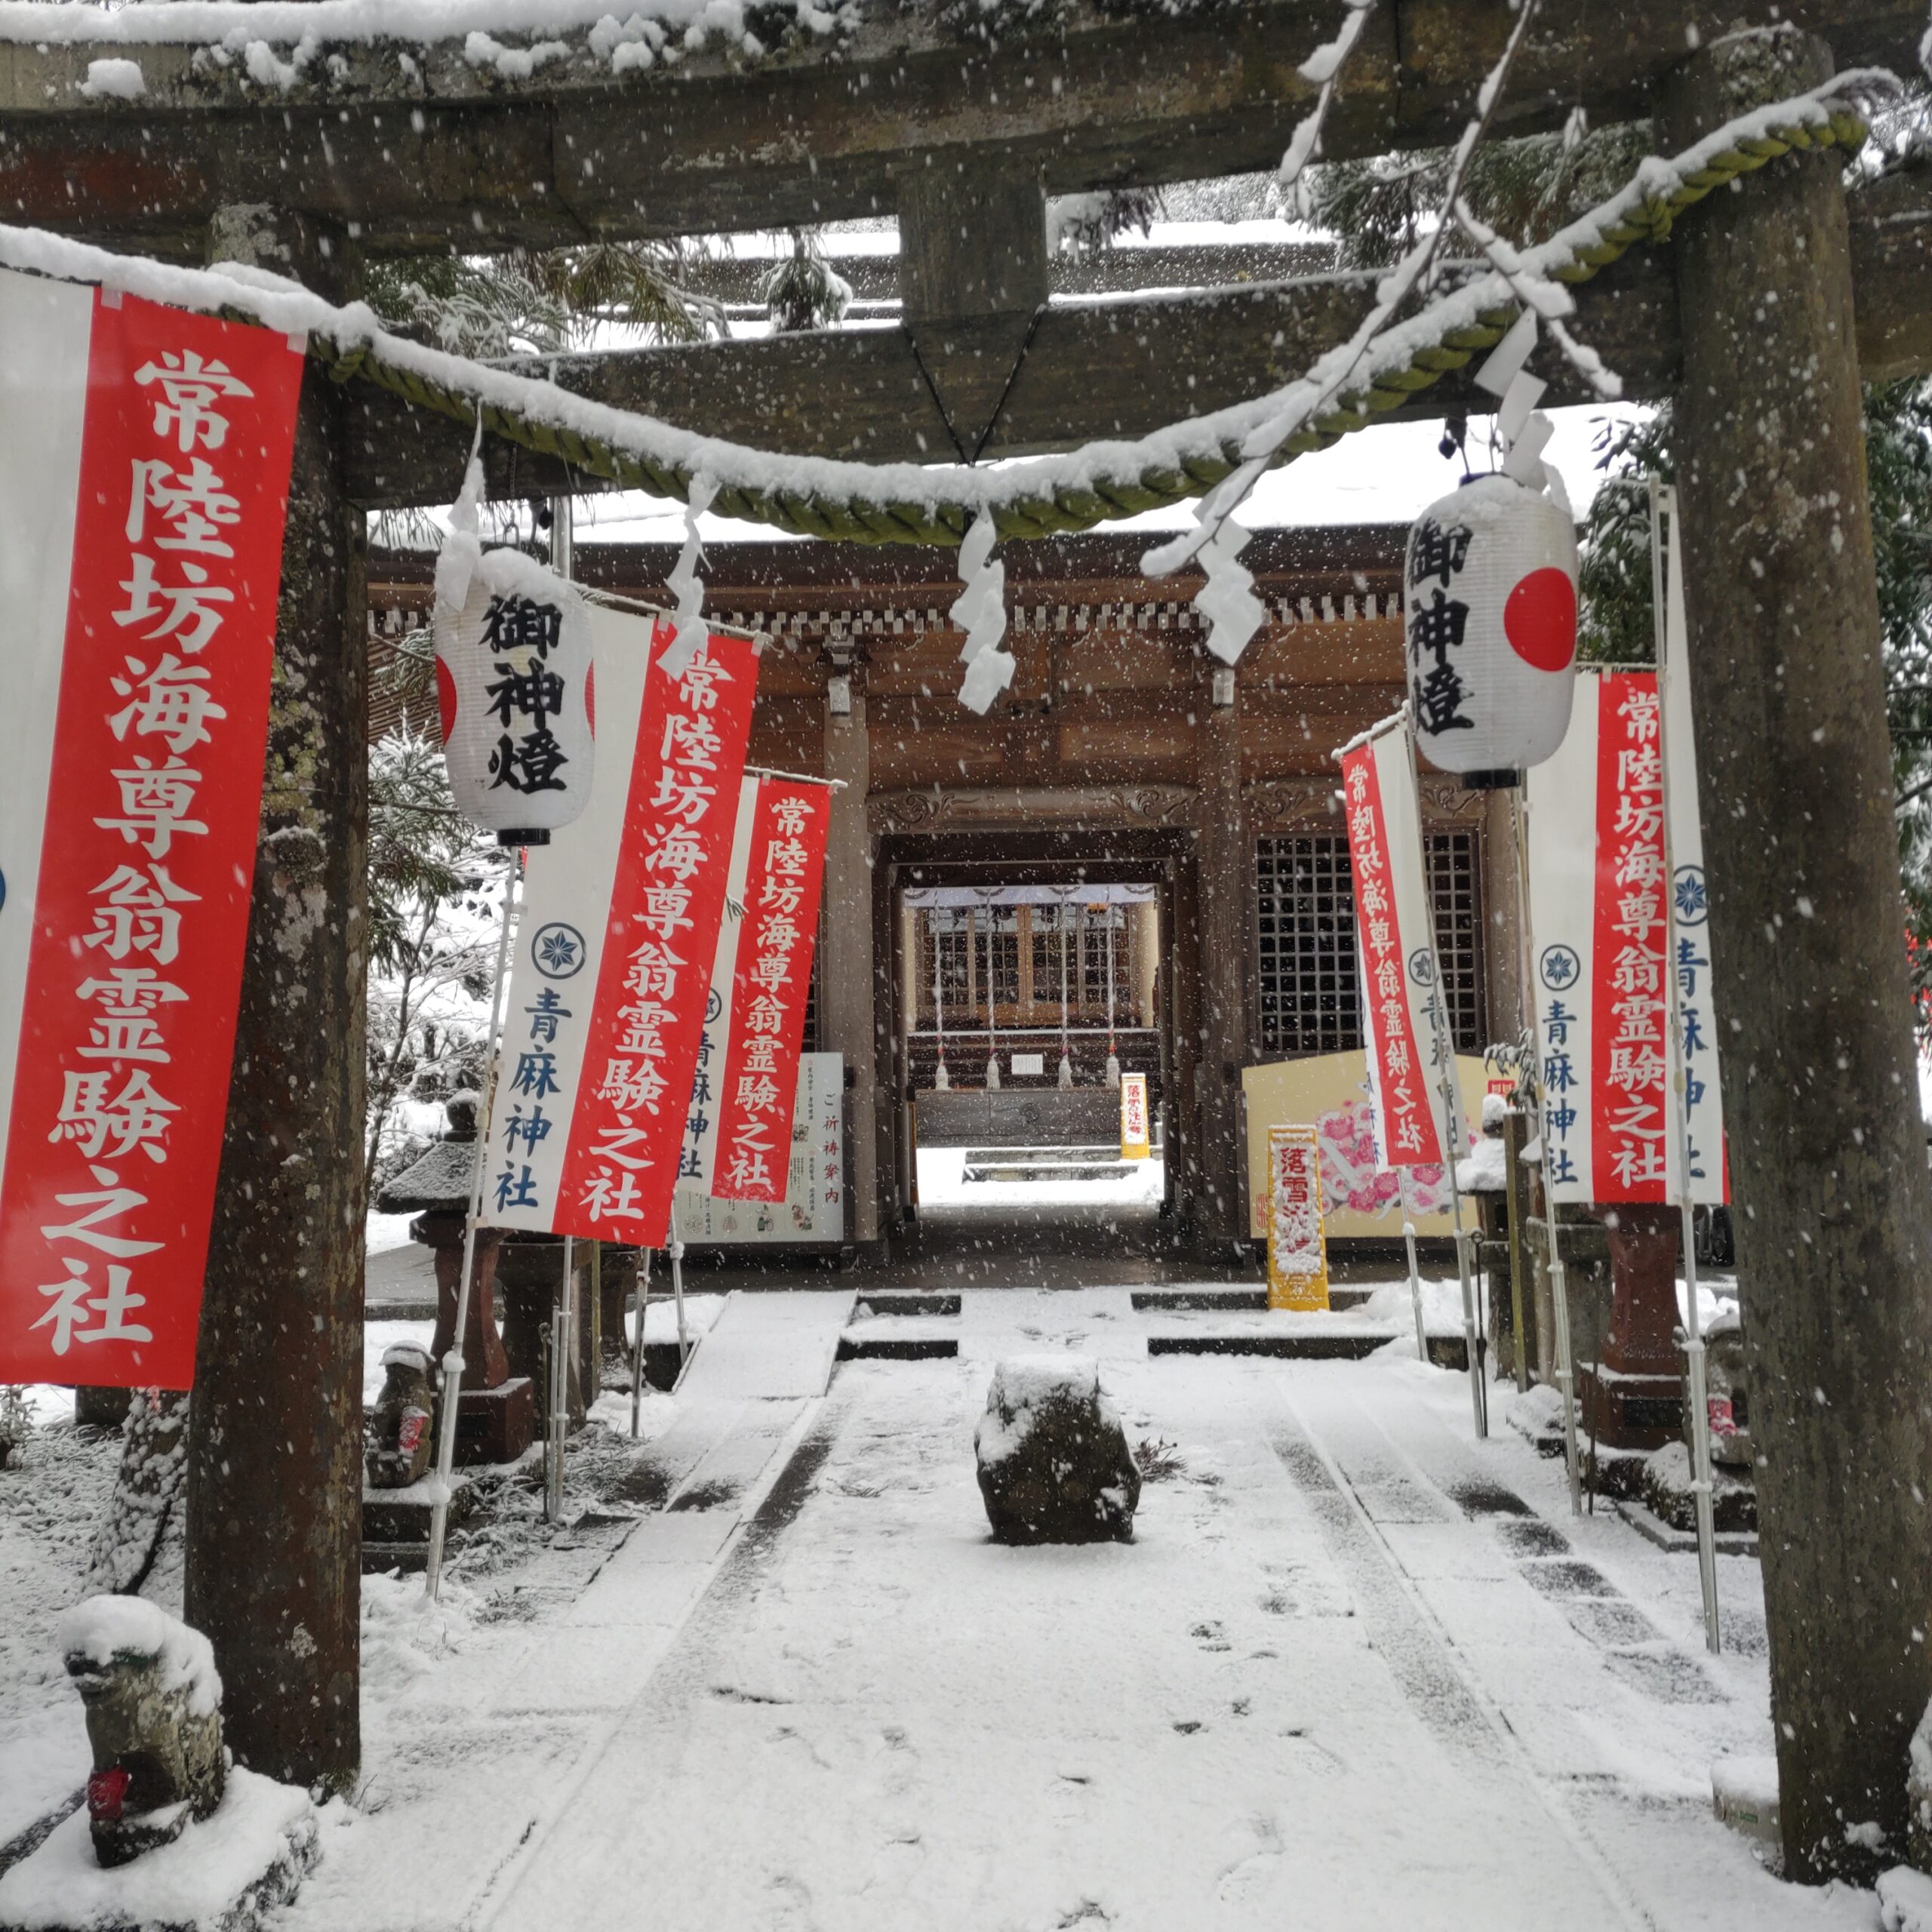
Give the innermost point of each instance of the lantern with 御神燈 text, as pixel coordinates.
(514, 686)
(1489, 598)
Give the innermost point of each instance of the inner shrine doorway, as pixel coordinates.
(1007, 957)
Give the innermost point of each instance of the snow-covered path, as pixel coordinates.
(1346, 1675)
(1356, 1669)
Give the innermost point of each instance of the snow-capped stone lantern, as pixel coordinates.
(1489, 599)
(514, 688)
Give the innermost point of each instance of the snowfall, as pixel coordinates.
(1357, 1667)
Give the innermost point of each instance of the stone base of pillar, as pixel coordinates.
(1625, 1411)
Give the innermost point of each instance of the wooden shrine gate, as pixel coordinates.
(312, 161)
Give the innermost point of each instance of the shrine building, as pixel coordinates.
(1138, 850)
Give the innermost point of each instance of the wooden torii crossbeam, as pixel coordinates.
(445, 151)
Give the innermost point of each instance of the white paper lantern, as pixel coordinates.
(1489, 601)
(514, 686)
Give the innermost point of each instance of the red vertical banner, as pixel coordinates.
(119, 1033)
(785, 874)
(1630, 1041)
(1398, 955)
(627, 1114)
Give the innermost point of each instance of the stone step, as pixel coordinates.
(898, 1348)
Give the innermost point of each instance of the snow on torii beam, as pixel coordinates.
(1107, 369)
(420, 145)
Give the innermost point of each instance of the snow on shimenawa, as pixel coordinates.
(965, 965)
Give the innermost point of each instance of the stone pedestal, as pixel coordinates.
(616, 1290)
(1633, 1397)
(485, 1366)
(395, 1522)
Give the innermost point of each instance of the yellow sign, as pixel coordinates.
(1297, 1251)
(1134, 1144)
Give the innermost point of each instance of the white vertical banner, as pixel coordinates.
(1562, 795)
(1690, 905)
(699, 1159)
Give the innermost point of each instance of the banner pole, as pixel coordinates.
(453, 1362)
(640, 1302)
(1415, 1274)
(1452, 1120)
(562, 1342)
(1559, 1285)
(677, 1253)
(1663, 504)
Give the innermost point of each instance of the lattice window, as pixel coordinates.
(1310, 992)
(1455, 891)
(1046, 946)
(1304, 901)
(1101, 921)
(996, 946)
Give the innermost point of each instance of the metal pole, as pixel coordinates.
(1453, 1148)
(1415, 1274)
(562, 1342)
(641, 1301)
(1559, 1284)
(453, 1362)
(1663, 503)
(1452, 1107)
(677, 1253)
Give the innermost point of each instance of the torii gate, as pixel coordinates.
(249, 142)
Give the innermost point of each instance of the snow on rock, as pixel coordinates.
(118, 80)
(253, 1849)
(511, 63)
(1905, 1900)
(1918, 1790)
(104, 1628)
(240, 26)
(1485, 1171)
(1495, 1112)
(1053, 1461)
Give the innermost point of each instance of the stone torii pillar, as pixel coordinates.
(275, 1452)
(1833, 1202)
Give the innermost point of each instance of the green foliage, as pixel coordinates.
(1525, 189)
(1615, 620)
(422, 850)
(802, 292)
(490, 307)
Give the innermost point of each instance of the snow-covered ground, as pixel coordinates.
(1356, 1669)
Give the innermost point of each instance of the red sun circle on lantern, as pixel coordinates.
(1540, 619)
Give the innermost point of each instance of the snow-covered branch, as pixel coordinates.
(1322, 69)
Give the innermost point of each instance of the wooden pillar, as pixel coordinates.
(848, 999)
(1833, 1202)
(1226, 888)
(274, 1453)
